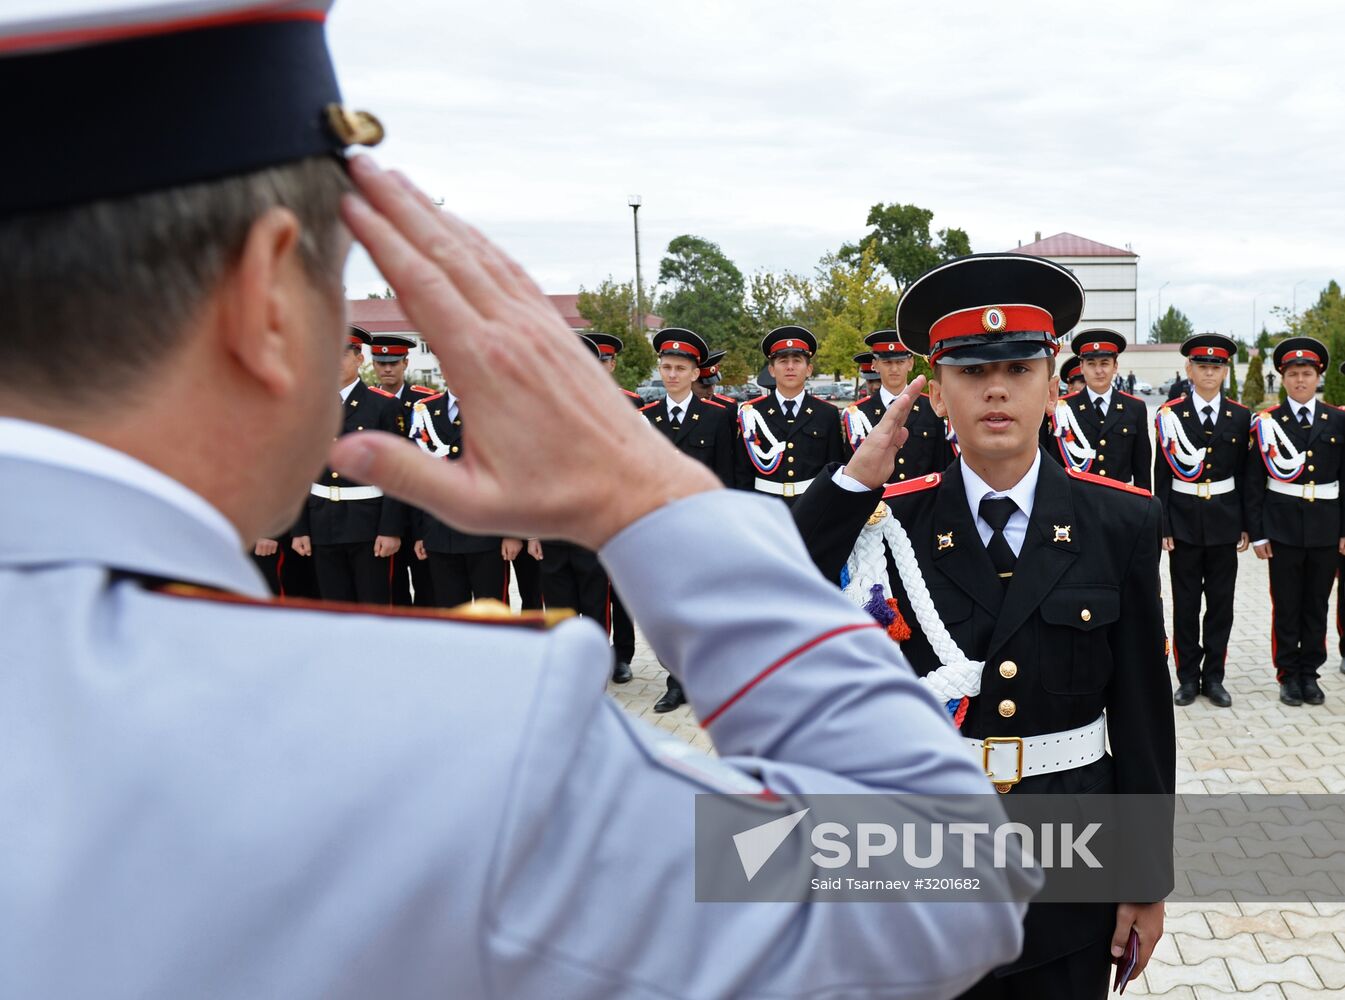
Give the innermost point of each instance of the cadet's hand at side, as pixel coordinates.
(873, 459)
(510, 548)
(302, 544)
(556, 450)
(265, 547)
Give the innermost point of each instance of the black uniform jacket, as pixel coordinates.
(1216, 520)
(706, 433)
(335, 522)
(926, 449)
(1121, 440)
(438, 536)
(1291, 520)
(812, 441)
(1078, 630)
(410, 395)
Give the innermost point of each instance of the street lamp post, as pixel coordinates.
(1295, 293)
(634, 201)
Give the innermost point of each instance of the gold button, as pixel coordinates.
(791, 458)
(790, 472)
(790, 446)
(1209, 451)
(1101, 472)
(1007, 708)
(1309, 453)
(453, 450)
(1103, 442)
(1008, 669)
(902, 476)
(901, 461)
(1312, 468)
(359, 428)
(1086, 615)
(336, 475)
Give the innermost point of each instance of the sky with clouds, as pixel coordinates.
(1208, 137)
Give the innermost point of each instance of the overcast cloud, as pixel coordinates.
(1206, 136)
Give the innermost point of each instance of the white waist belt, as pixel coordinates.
(1305, 491)
(782, 489)
(1203, 490)
(338, 493)
(1009, 759)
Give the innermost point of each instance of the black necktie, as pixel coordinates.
(676, 416)
(996, 513)
(1101, 408)
(1208, 420)
(1303, 420)
(789, 409)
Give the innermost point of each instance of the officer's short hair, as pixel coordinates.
(1050, 368)
(109, 286)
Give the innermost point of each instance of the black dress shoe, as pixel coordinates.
(1216, 693)
(1186, 693)
(621, 672)
(1312, 693)
(672, 698)
(1291, 692)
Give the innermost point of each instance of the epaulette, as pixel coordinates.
(913, 485)
(760, 399)
(650, 406)
(1088, 477)
(862, 400)
(726, 400)
(382, 392)
(1129, 395)
(1173, 402)
(483, 612)
(1230, 399)
(629, 394)
(1071, 395)
(711, 402)
(425, 389)
(437, 395)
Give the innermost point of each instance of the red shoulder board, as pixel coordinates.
(1230, 399)
(1129, 395)
(862, 400)
(726, 400)
(760, 399)
(913, 485)
(1088, 477)
(711, 402)
(481, 613)
(631, 395)
(382, 392)
(437, 395)
(428, 392)
(1173, 402)
(650, 406)
(1071, 395)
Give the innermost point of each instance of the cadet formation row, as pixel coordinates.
(1226, 479)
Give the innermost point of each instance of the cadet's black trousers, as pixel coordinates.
(461, 577)
(1210, 571)
(349, 571)
(1300, 590)
(1340, 607)
(529, 576)
(287, 573)
(623, 630)
(1083, 975)
(573, 578)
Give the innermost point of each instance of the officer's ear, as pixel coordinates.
(1052, 387)
(936, 392)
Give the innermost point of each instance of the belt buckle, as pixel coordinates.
(1310, 492)
(1203, 491)
(988, 744)
(334, 494)
(788, 488)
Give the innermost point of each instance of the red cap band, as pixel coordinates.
(680, 347)
(356, 341)
(707, 372)
(791, 344)
(891, 347)
(980, 321)
(1291, 356)
(606, 349)
(866, 366)
(1099, 347)
(1209, 352)
(389, 351)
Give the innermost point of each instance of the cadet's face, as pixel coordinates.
(790, 372)
(608, 361)
(390, 374)
(893, 373)
(1300, 382)
(702, 391)
(1077, 383)
(351, 358)
(677, 374)
(1098, 373)
(1208, 379)
(995, 409)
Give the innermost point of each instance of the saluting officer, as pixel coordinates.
(927, 449)
(699, 428)
(390, 356)
(1045, 580)
(1201, 444)
(1101, 429)
(352, 530)
(462, 567)
(1295, 516)
(788, 435)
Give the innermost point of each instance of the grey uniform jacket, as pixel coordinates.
(218, 796)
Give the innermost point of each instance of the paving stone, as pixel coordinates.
(1185, 920)
(1248, 975)
(1211, 972)
(1330, 970)
(1196, 950)
(1224, 925)
(1322, 945)
(1270, 991)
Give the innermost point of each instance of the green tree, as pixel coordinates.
(1171, 328)
(1254, 388)
(609, 308)
(1263, 342)
(1325, 320)
(861, 302)
(1233, 379)
(903, 243)
(705, 293)
(388, 293)
(772, 300)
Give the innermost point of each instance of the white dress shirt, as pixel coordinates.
(1199, 402)
(1310, 406)
(887, 397)
(345, 393)
(1105, 397)
(682, 404)
(40, 443)
(796, 400)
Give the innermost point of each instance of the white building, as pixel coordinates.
(1109, 277)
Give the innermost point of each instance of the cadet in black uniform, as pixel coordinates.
(1049, 579)
(1295, 517)
(287, 573)
(709, 377)
(872, 380)
(926, 449)
(390, 357)
(1198, 475)
(788, 435)
(463, 568)
(1112, 424)
(700, 428)
(352, 530)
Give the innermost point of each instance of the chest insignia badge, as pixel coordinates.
(944, 541)
(1062, 533)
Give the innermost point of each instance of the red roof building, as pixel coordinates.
(1109, 275)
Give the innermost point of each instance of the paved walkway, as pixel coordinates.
(1213, 950)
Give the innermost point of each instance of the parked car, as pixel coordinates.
(1143, 387)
